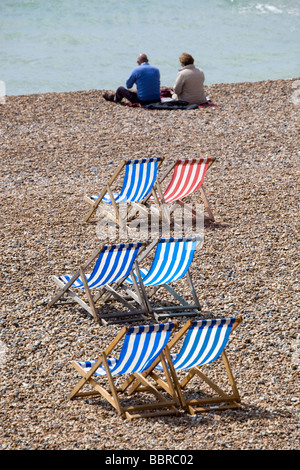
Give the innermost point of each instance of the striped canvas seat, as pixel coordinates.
(139, 179)
(204, 342)
(111, 265)
(142, 345)
(172, 260)
(188, 176)
(114, 263)
(140, 176)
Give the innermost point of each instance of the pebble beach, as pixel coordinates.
(55, 148)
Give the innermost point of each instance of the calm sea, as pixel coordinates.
(69, 45)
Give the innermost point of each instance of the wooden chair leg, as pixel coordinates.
(206, 203)
(230, 376)
(89, 295)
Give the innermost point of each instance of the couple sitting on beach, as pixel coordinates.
(188, 86)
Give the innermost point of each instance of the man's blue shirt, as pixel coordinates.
(147, 79)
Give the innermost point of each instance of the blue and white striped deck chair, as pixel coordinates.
(141, 346)
(204, 342)
(172, 261)
(111, 265)
(138, 185)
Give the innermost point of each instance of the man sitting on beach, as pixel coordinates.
(147, 79)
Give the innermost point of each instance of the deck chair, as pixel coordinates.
(111, 265)
(172, 260)
(187, 177)
(141, 346)
(138, 183)
(204, 342)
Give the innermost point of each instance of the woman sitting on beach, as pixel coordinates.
(189, 82)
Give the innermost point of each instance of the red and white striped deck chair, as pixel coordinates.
(188, 177)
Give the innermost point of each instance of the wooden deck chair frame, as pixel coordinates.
(165, 311)
(221, 399)
(108, 190)
(162, 206)
(103, 293)
(114, 394)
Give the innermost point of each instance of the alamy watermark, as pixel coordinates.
(135, 225)
(2, 92)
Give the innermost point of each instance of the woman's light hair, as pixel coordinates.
(186, 59)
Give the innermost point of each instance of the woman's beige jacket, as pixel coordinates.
(189, 85)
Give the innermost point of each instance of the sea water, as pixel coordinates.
(69, 45)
